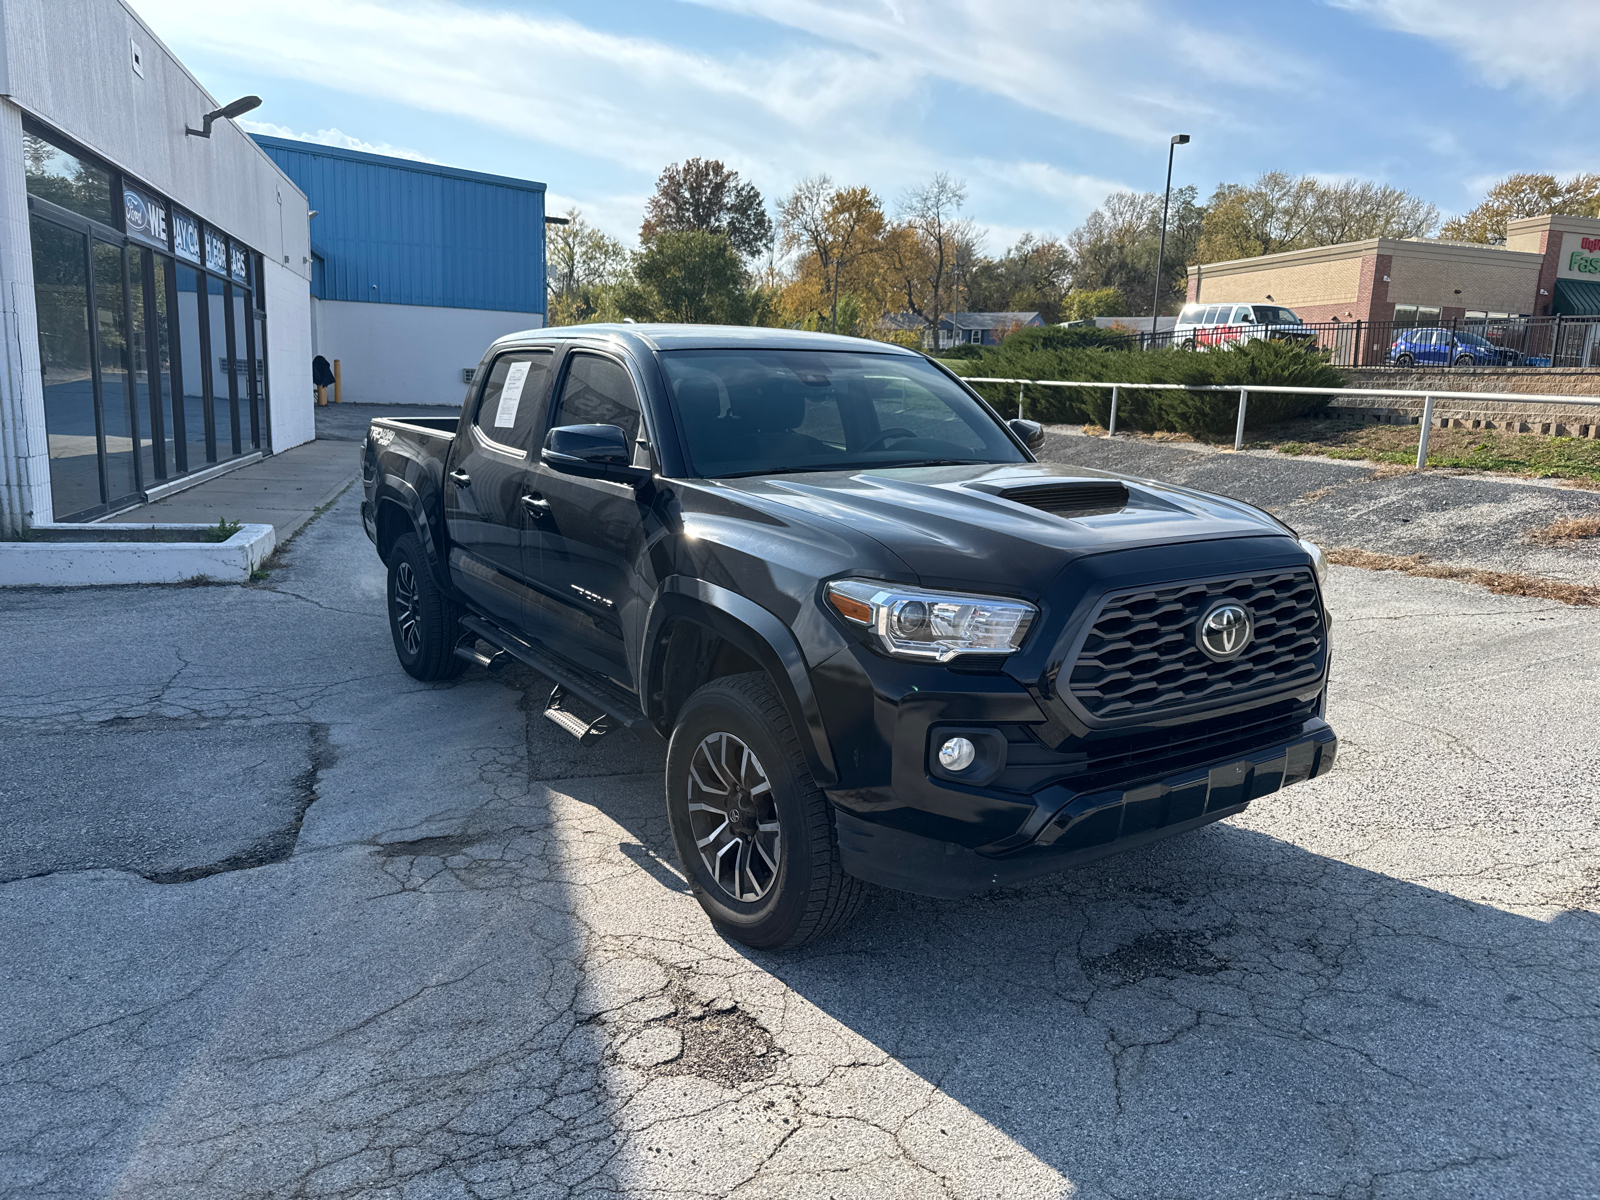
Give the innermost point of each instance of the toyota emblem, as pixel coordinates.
(1225, 631)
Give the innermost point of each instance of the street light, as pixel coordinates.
(238, 108)
(1178, 139)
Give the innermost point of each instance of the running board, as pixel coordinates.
(620, 709)
(586, 733)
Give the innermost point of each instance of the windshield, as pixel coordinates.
(1268, 314)
(760, 412)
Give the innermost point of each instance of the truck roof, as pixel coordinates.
(706, 337)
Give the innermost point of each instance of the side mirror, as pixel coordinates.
(594, 452)
(1031, 433)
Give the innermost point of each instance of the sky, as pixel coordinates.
(1041, 108)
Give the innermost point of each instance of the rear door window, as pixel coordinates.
(513, 398)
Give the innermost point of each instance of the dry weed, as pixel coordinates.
(1320, 493)
(1570, 530)
(1500, 582)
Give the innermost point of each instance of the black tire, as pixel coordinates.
(1188, 344)
(423, 621)
(1404, 360)
(807, 895)
(1466, 360)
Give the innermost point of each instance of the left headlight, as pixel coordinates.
(1319, 561)
(910, 622)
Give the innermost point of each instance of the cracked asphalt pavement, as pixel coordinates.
(279, 921)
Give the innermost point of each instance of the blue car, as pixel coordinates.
(1447, 348)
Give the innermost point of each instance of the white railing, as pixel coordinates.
(1428, 397)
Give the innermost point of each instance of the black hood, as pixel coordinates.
(953, 528)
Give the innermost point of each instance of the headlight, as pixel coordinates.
(1319, 563)
(909, 622)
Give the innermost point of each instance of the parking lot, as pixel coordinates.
(281, 921)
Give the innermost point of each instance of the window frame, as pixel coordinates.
(480, 389)
(644, 438)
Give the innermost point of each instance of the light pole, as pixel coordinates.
(1178, 139)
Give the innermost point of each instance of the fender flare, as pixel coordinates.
(756, 632)
(399, 492)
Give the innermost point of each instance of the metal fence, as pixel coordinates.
(1463, 342)
(1426, 420)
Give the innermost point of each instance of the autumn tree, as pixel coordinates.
(837, 232)
(1525, 196)
(1033, 275)
(704, 196)
(923, 253)
(583, 266)
(1118, 245)
(1280, 212)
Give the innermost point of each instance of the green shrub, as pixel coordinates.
(1202, 413)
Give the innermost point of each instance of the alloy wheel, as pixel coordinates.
(733, 817)
(407, 613)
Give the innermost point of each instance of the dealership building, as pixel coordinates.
(1549, 266)
(415, 267)
(156, 305)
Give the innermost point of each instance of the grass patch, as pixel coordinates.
(222, 530)
(1525, 454)
(1502, 583)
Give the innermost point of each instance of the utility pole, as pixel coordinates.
(1178, 139)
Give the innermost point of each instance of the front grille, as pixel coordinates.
(1070, 499)
(1140, 657)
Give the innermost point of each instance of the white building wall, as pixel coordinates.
(407, 353)
(24, 451)
(290, 403)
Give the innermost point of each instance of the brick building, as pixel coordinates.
(1549, 265)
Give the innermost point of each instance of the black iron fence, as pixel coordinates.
(1464, 342)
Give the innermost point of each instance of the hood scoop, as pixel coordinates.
(1070, 499)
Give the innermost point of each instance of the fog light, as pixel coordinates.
(957, 754)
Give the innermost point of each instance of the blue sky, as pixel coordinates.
(1041, 108)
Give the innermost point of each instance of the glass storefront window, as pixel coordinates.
(62, 178)
(191, 362)
(224, 414)
(161, 365)
(116, 396)
(61, 295)
(151, 461)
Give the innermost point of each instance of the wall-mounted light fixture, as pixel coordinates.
(1386, 279)
(1542, 292)
(1269, 297)
(228, 111)
(1458, 291)
(552, 221)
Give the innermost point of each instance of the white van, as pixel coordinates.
(1201, 326)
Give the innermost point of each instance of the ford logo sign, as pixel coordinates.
(1225, 631)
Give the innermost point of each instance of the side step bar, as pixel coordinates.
(619, 709)
(563, 718)
(467, 648)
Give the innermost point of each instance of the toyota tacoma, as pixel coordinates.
(881, 641)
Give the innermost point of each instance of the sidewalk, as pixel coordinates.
(283, 490)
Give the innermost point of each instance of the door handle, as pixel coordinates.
(460, 478)
(537, 505)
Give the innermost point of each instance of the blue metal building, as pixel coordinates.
(415, 267)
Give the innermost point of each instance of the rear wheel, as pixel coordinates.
(422, 619)
(1404, 360)
(753, 832)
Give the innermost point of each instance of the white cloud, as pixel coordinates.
(335, 137)
(1547, 45)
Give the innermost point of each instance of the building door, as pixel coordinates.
(66, 360)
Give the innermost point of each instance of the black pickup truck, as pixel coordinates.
(882, 642)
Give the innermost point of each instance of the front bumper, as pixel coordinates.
(1085, 825)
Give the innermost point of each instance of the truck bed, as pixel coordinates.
(444, 427)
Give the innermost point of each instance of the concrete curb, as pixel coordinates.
(85, 562)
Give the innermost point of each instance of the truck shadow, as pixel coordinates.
(1230, 1014)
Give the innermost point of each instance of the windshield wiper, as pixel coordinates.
(856, 466)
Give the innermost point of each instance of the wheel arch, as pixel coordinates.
(698, 631)
(397, 511)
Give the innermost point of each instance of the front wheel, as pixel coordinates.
(1404, 360)
(422, 619)
(753, 832)
(1466, 360)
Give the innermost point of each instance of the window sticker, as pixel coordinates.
(511, 395)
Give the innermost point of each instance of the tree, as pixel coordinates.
(924, 252)
(836, 229)
(1279, 212)
(702, 195)
(584, 266)
(1118, 244)
(1033, 275)
(693, 277)
(1101, 302)
(1525, 196)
